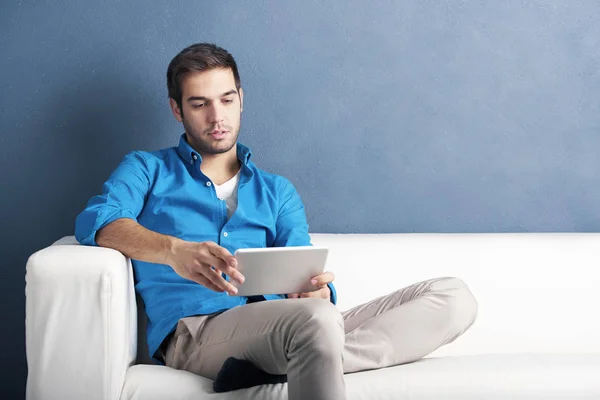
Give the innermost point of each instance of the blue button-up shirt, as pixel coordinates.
(166, 192)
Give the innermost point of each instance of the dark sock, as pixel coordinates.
(239, 374)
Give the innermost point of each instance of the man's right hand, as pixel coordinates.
(203, 263)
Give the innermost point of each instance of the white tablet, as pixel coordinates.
(279, 270)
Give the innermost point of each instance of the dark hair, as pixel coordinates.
(198, 57)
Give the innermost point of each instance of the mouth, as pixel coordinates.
(219, 133)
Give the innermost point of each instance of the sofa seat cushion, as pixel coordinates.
(490, 376)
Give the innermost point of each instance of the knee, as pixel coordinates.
(462, 305)
(319, 325)
(321, 314)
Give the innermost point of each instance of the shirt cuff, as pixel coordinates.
(333, 296)
(88, 236)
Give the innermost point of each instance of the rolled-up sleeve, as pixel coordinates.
(123, 196)
(291, 226)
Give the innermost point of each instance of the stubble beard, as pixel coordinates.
(210, 146)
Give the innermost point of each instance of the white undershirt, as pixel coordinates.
(228, 192)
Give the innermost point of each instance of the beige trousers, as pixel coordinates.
(314, 344)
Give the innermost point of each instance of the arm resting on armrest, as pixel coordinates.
(81, 328)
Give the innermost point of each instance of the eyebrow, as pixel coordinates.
(202, 98)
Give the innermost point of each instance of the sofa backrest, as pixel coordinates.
(536, 292)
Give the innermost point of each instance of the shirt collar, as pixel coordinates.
(186, 152)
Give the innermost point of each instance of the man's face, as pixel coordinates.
(212, 109)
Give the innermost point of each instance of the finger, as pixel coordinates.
(322, 293)
(217, 271)
(222, 253)
(201, 279)
(293, 296)
(221, 265)
(323, 279)
(226, 262)
(216, 278)
(216, 264)
(206, 281)
(213, 261)
(307, 295)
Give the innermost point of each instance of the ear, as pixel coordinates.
(175, 109)
(241, 92)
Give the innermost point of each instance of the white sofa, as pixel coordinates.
(537, 335)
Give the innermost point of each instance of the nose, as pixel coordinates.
(216, 113)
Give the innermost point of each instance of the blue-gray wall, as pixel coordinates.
(389, 116)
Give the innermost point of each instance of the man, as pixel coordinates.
(181, 212)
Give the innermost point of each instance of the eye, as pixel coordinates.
(227, 101)
(200, 105)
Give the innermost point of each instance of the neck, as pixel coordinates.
(220, 167)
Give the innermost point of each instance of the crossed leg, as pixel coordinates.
(311, 342)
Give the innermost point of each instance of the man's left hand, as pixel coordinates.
(321, 289)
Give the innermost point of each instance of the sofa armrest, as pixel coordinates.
(81, 328)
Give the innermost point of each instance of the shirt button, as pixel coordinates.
(225, 234)
(208, 183)
(195, 157)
